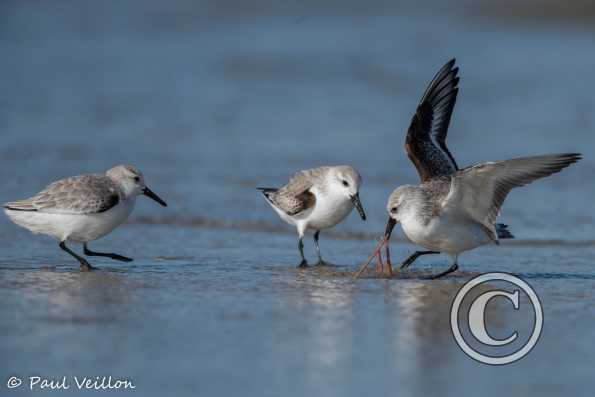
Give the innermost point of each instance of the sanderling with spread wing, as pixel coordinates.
(453, 210)
(317, 199)
(82, 208)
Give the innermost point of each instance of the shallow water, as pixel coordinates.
(212, 100)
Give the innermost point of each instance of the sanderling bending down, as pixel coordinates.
(82, 208)
(317, 199)
(453, 210)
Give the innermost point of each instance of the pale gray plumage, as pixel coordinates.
(426, 198)
(316, 199)
(82, 194)
(481, 189)
(457, 213)
(82, 208)
(295, 196)
(454, 210)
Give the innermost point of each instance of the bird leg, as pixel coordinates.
(379, 263)
(116, 257)
(303, 263)
(85, 266)
(389, 264)
(364, 266)
(413, 257)
(316, 237)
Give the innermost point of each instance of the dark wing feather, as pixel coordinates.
(290, 203)
(426, 138)
(296, 196)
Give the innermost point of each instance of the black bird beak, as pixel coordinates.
(358, 206)
(149, 193)
(389, 228)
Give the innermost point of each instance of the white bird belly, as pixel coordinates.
(292, 220)
(448, 234)
(74, 227)
(329, 211)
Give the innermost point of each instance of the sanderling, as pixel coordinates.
(454, 210)
(82, 208)
(317, 199)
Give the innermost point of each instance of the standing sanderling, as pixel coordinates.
(82, 208)
(317, 199)
(454, 210)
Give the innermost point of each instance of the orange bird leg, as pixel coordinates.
(379, 263)
(389, 264)
(367, 262)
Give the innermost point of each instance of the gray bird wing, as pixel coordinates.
(83, 194)
(481, 189)
(426, 138)
(296, 197)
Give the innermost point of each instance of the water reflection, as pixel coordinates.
(322, 310)
(215, 103)
(72, 297)
(331, 302)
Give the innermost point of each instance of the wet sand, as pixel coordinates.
(211, 101)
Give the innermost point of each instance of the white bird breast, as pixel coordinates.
(448, 233)
(330, 209)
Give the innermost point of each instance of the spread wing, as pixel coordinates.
(480, 190)
(296, 196)
(84, 194)
(426, 138)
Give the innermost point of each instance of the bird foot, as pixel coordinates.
(120, 258)
(303, 264)
(86, 267)
(406, 264)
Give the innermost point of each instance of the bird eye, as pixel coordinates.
(345, 183)
(393, 210)
(137, 179)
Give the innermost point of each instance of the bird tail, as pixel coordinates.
(21, 205)
(503, 231)
(267, 192)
